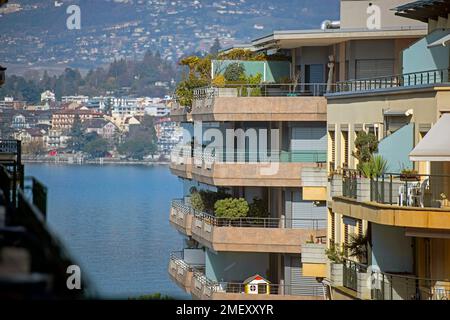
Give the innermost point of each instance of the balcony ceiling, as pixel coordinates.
(310, 38)
(424, 9)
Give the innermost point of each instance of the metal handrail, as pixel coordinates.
(281, 156)
(9, 146)
(257, 222)
(350, 273)
(272, 289)
(178, 258)
(400, 80)
(405, 190)
(388, 286)
(265, 90)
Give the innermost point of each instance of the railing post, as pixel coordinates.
(390, 188)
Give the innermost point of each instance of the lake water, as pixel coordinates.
(114, 220)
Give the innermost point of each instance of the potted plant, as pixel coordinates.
(409, 175)
(336, 256)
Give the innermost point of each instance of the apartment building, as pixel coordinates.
(398, 219)
(273, 255)
(64, 119)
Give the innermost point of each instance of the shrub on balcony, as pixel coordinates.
(258, 208)
(231, 208)
(366, 144)
(204, 200)
(357, 247)
(335, 253)
(219, 81)
(375, 167)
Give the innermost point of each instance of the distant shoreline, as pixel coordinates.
(95, 162)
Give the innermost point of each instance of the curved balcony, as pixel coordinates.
(275, 235)
(261, 102)
(181, 216)
(402, 200)
(181, 272)
(179, 113)
(181, 162)
(288, 169)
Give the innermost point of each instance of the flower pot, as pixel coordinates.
(409, 177)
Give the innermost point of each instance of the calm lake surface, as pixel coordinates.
(114, 220)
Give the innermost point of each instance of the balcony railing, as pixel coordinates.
(406, 190)
(402, 80)
(177, 258)
(209, 158)
(264, 90)
(404, 287)
(9, 146)
(269, 289)
(249, 222)
(350, 273)
(254, 222)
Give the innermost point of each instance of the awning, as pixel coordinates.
(441, 42)
(436, 144)
(398, 113)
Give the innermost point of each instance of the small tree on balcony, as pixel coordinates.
(231, 208)
(366, 145)
(357, 247)
(234, 72)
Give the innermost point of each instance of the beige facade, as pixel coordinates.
(350, 113)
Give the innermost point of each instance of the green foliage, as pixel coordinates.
(375, 167)
(258, 208)
(366, 145)
(231, 208)
(357, 247)
(248, 55)
(204, 200)
(77, 140)
(137, 147)
(234, 72)
(185, 89)
(96, 148)
(140, 142)
(335, 253)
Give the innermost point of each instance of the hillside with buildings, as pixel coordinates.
(34, 33)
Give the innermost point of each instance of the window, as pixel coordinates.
(333, 149)
(333, 228)
(345, 141)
